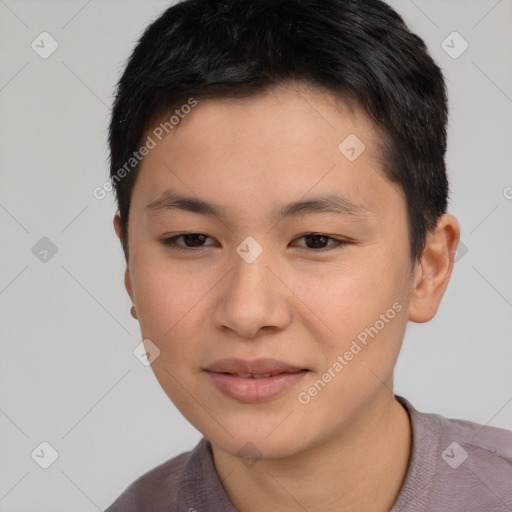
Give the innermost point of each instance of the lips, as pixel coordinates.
(253, 369)
(255, 375)
(254, 381)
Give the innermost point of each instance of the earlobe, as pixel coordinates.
(434, 270)
(129, 289)
(127, 279)
(117, 226)
(128, 283)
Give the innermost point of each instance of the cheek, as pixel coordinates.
(165, 291)
(347, 298)
(357, 312)
(172, 303)
(169, 308)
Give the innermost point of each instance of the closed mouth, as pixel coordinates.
(253, 369)
(259, 375)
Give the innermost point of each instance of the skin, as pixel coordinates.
(348, 448)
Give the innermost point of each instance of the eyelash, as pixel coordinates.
(171, 242)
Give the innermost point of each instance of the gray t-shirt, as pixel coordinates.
(455, 465)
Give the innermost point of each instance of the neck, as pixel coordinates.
(361, 469)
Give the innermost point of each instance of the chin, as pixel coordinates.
(250, 449)
(262, 442)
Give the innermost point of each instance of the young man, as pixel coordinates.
(282, 191)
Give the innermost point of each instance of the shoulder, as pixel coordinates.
(480, 439)
(457, 465)
(474, 442)
(475, 465)
(184, 483)
(155, 487)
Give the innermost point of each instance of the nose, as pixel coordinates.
(253, 299)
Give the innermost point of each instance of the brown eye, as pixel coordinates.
(190, 241)
(320, 242)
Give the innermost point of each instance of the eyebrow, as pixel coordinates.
(332, 203)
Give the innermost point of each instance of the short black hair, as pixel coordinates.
(360, 50)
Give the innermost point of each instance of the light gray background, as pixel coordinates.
(68, 375)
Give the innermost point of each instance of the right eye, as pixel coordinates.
(191, 241)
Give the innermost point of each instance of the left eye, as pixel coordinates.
(315, 241)
(319, 241)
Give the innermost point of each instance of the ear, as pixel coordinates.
(117, 226)
(433, 271)
(127, 279)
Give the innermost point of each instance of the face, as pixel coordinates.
(253, 236)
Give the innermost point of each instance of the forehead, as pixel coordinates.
(286, 113)
(283, 144)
